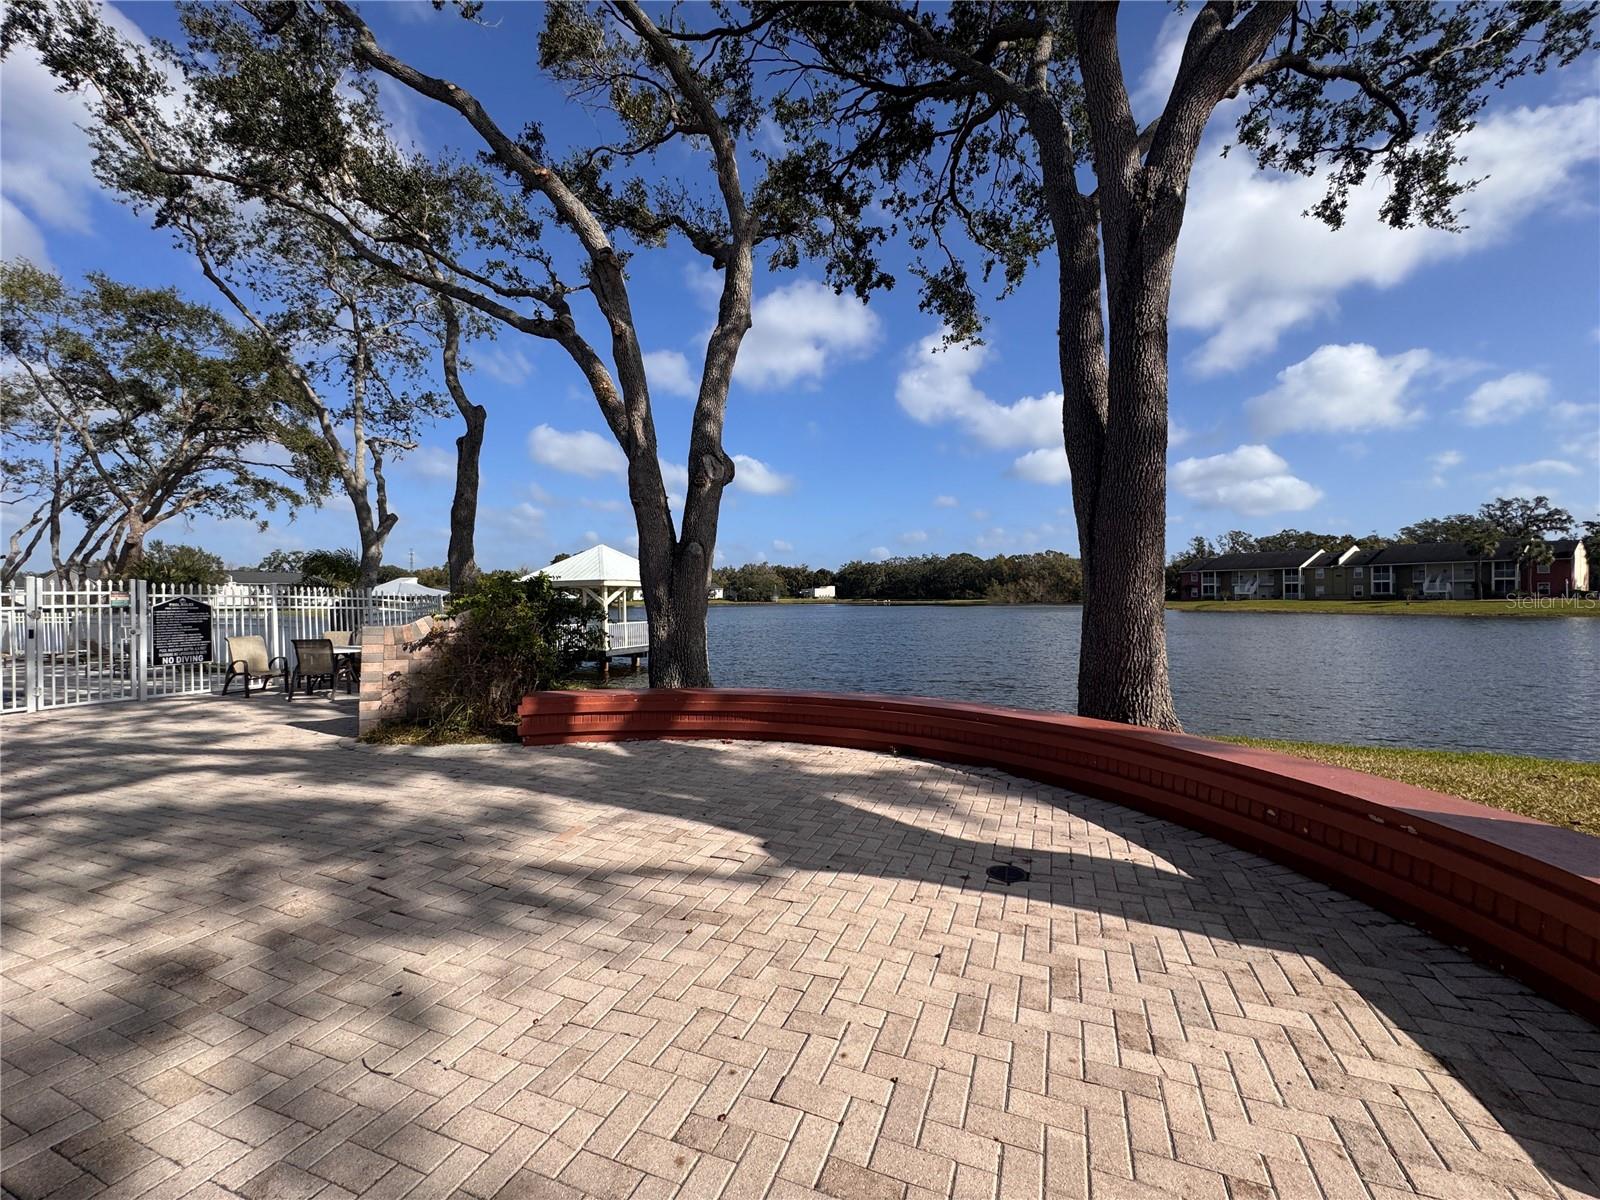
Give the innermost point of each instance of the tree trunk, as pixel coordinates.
(371, 559)
(131, 555)
(371, 535)
(678, 653)
(1122, 658)
(461, 559)
(1122, 663)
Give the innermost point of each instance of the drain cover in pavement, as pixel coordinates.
(1006, 873)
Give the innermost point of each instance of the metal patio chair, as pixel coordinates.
(313, 663)
(248, 660)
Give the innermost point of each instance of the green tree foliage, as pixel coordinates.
(754, 581)
(1049, 577)
(351, 337)
(438, 577)
(1457, 527)
(171, 563)
(331, 568)
(282, 560)
(124, 407)
(1528, 525)
(507, 637)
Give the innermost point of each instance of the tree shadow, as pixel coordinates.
(229, 883)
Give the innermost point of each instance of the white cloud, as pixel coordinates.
(1442, 462)
(781, 546)
(1565, 412)
(1251, 480)
(1340, 389)
(946, 502)
(1149, 96)
(913, 537)
(753, 475)
(797, 331)
(881, 552)
(1251, 265)
(580, 452)
(400, 109)
(430, 462)
(674, 475)
(20, 238)
(936, 387)
(609, 506)
(519, 520)
(1505, 399)
(668, 371)
(45, 159)
(1177, 434)
(675, 478)
(1543, 466)
(507, 365)
(1045, 465)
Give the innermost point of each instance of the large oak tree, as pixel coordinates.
(125, 408)
(526, 236)
(1011, 123)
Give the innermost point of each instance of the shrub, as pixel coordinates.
(507, 637)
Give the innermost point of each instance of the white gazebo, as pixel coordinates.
(407, 586)
(610, 578)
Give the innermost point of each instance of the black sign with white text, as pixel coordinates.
(181, 630)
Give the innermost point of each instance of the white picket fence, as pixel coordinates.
(64, 644)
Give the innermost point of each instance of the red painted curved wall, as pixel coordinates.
(1519, 893)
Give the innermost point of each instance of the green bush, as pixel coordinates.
(508, 637)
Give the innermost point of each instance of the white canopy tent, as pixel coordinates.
(609, 577)
(407, 586)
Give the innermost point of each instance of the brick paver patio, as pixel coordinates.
(243, 956)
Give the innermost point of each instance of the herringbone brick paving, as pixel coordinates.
(244, 958)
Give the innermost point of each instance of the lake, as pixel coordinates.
(1528, 686)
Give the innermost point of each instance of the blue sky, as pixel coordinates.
(1355, 380)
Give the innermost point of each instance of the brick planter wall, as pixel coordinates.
(1520, 894)
(389, 656)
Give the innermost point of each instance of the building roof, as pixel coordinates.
(1449, 552)
(253, 575)
(407, 585)
(1258, 560)
(597, 566)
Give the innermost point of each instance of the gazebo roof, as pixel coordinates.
(598, 566)
(407, 586)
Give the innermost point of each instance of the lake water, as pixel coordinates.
(1527, 686)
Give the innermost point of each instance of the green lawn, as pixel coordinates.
(1562, 793)
(1541, 607)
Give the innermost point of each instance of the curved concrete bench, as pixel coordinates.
(1518, 893)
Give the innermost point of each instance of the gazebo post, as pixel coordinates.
(603, 575)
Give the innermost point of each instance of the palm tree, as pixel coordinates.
(1481, 543)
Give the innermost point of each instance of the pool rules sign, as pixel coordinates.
(180, 631)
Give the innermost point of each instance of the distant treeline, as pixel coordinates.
(1049, 577)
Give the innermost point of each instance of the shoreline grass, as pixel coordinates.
(1523, 610)
(1540, 607)
(1552, 790)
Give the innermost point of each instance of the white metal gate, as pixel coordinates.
(64, 644)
